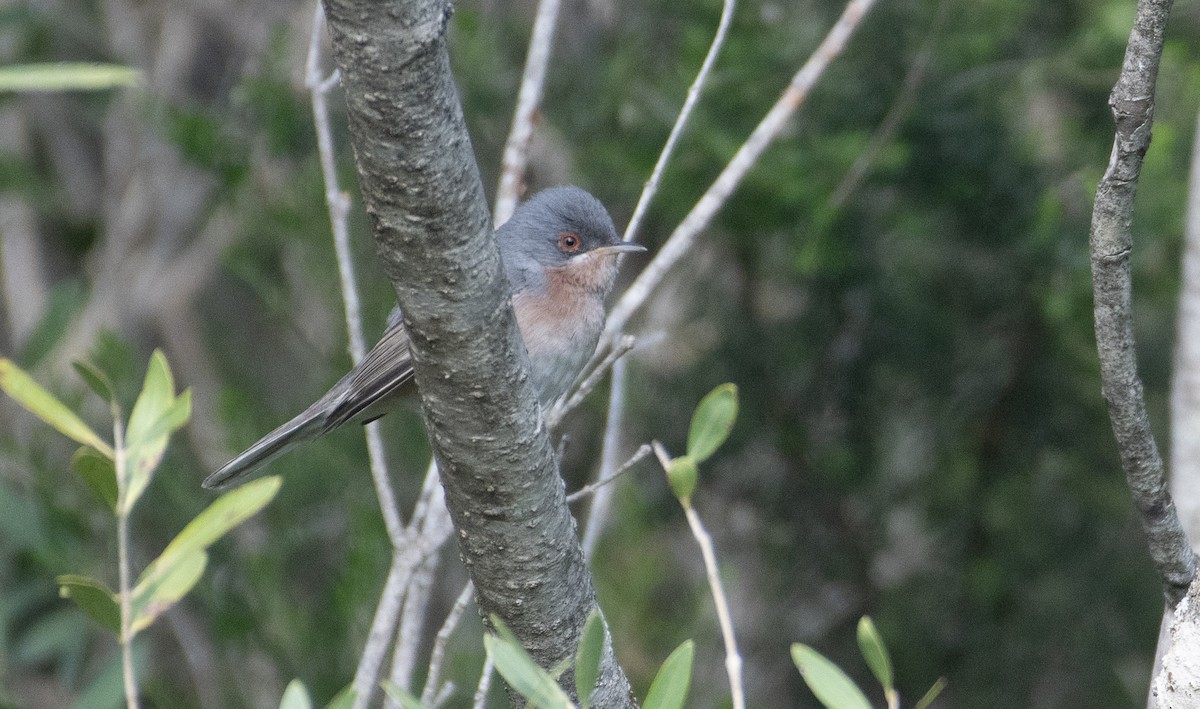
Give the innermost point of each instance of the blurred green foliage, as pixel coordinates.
(921, 435)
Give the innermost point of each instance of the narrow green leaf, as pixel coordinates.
(875, 653)
(682, 475)
(523, 674)
(670, 686)
(587, 659)
(827, 681)
(41, 403)
(158, 592)
(156, 414)
(158, 392)
(96, 380)
(93, 598)
(141, 459)
(168, 573)
(932, 694)
(98, 473)
(401, 697)
(66, 76)
(343, 699)
(712, 422)
(295, 696)
(225, 513)
(144, 456)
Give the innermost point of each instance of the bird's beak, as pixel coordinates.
(625, 247)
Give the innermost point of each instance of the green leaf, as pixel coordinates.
(875, 653)
(98, 473)
(41, 403)
(343, 699)
(159, 591)
(66, 76)
(827, 681)
(682, 475)
(401, 697)
(296, 696)
(225, 513)
(156, 414)
(96, 380)
(166, 579)
(587, 659)
(670, 686)
(93, 598)
(523, 674)
(932, 694)
(712, 422)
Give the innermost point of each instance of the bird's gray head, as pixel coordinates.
(562, 230)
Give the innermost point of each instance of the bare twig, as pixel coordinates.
(733, 658)
(412, 626)
(566, 404)
(1111, 243)
(634, 459)
(379, 637)
(685, 113)
(124, 575)
(609, 454)
(533, 80)
(438, 654)
(339, 210)
(485, 683)
(598, 510)
(747, 155)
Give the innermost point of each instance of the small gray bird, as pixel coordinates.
(560, 252)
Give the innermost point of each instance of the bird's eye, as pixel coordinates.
(568, 242)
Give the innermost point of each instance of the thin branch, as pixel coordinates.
(1111, 246)
(124, 575)
(733, 658)
(747, 155)
(412, 626)
(579, 393)
(598, 510)
(339, 210)
(438, 654)
(529, 97)
(379, 637)
(485, 683)
(634, 459)
(609, 454)
(685, 113)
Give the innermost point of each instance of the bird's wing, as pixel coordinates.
(367, 391)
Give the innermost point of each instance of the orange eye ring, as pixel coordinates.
(569, 242)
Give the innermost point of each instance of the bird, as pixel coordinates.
(560, 251)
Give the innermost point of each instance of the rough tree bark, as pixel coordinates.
(426, 203)
(1132, 103)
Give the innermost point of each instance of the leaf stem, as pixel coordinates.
(120, 463)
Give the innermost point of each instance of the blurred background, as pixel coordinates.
(900, 289)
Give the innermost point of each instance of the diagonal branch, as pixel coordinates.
(1132, 102)
(422, 191)
(529, 97)
(681, 240)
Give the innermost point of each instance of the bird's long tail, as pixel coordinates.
(307, 426)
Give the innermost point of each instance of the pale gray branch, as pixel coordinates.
(1111, 244)
(529, 97)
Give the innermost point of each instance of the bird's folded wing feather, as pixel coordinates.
(369, 390)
